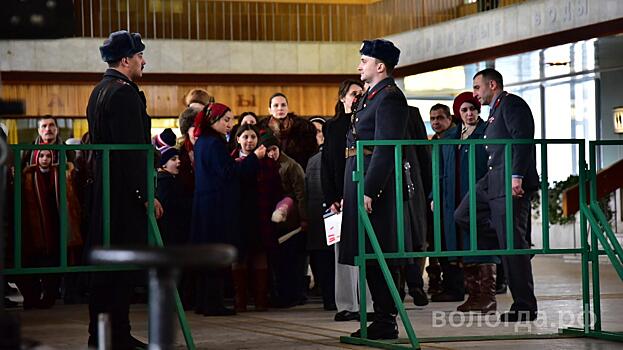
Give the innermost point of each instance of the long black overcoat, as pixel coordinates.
(117, 114)
(416, 191)
(381, 114)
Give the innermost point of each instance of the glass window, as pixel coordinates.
(519, 68)
(557, 60)
(558, 125)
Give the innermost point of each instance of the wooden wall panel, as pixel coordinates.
(166, 100)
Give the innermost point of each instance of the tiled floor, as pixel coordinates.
(558, 289)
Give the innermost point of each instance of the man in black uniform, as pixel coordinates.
(509, 118)
(117, 115)
(381, 114)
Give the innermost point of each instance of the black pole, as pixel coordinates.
(162, 286)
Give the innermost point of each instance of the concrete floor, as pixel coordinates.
(557, 284)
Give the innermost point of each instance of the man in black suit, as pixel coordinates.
(509, 118)
(381, 114)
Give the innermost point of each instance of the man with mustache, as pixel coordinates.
(117, 115)
(48, 134)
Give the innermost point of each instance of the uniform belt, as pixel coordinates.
(351, 152)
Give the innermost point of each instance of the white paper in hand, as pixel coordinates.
(333, 227)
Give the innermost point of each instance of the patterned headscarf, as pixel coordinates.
(208, 116)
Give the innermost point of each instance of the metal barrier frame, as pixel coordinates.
(588, 252)
(154, 237)
(601, 233)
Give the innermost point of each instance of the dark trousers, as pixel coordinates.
(322, 263)
(413, 274)
(486, 233)
(210, 290)
(385, 310)
(518, 268)
(111, 293)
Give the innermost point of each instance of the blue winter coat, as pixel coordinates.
(217, 191)
(448, 176)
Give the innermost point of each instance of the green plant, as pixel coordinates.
(556, 216)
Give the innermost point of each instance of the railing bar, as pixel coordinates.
(361, 237)
(257, 23)
(224, 19)
(207, 20)
(149, 164)
(106, 197)
(586, 307)
(144, 15)
(436, 199)
(101, 24)
(608, 234)
(510, 243)
(17, 213)
(298, 23)
(109, 17)
(82, 10)
(273, 21)
(189, 19)
(594, 244)
(249, 22)
(389, 280)
(154, 22)
(400, 218)
(171, 19)
(264, 22)
(473, 230)
(127, 14)
(544, 196)
(62, 203)
(197, 19)
(231, 21)
(164, 23)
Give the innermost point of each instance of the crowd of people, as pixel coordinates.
(264, 184)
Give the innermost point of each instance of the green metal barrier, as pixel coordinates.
(588, 252)
(154, 237)
(601, 233)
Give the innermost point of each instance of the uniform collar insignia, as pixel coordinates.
(373, 93)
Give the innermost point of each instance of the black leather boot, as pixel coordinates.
(453, 284)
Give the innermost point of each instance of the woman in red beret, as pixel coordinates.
(478, 275)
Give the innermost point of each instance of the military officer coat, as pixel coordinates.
(381, 114)
(510, 118)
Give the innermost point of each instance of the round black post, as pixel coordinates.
(164, 265)
(162, 284)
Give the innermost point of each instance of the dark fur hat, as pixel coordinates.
(121, 44)
(381, 49)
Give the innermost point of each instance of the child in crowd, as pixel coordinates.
(259, 195)
(174, 223)
(41, 228)
(290, 263)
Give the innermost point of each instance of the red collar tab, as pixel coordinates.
(373, 93)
